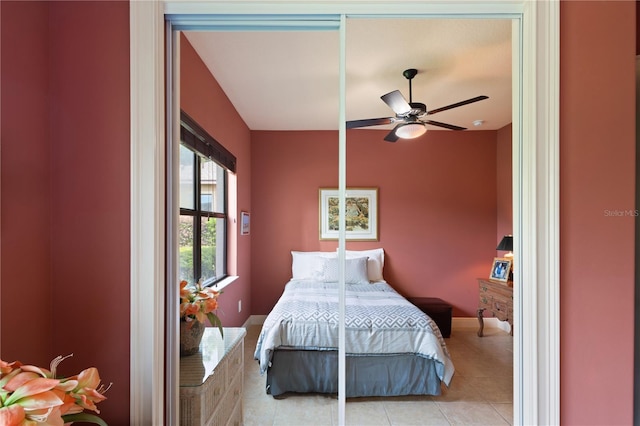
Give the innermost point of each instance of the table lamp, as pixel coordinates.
(506, 244)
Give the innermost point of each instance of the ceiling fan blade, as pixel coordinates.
(369, 122)
(391, 136)
(445, 125)
(458, 104)
(396, 102)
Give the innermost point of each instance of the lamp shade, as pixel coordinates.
(411, 130)
(506, 244)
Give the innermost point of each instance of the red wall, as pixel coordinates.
(597, 174)
(203, 99)
(25, 228)
(437, 207)
(65, 189)
(89, 110)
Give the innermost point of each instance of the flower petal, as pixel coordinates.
(40, 401)
(7, 378)
(49, 417)
(184, 292)
(8, 367)
(11, 415)
(210, 305)
(32, 387)
(89, 378)
(39, 371)
(19, 380)
(67, 385)
(68, 402)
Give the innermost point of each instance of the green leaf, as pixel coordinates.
(84, 417)
(215, 321)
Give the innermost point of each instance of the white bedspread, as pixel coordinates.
(378, 320)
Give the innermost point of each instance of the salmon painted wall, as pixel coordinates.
(90, 177)
(204, 100)
(25, 230)
(504, 176)
(437, 207)
(597, 187)
(597, 174)
(65, 189)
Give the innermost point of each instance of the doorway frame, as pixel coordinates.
(535, 188)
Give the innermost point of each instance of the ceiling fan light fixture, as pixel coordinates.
(411, 130)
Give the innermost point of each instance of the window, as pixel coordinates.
(204, 165)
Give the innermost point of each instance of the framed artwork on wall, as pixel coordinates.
(361, 216)
(245, 223)
(500, 269)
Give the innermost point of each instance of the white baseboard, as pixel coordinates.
(254, 320)
(456, 322)
(472, 322)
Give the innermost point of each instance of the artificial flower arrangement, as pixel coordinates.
(31, 395)
(198, 303)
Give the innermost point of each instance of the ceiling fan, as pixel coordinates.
(409, 115)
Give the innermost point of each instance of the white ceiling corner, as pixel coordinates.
(289, 80)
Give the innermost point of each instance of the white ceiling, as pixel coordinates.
(289, 80)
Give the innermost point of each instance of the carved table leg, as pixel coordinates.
(481, 321)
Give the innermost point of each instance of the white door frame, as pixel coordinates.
(535, 186)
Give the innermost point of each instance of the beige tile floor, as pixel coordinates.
(480, 392)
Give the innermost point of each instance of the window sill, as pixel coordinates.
(225, 282)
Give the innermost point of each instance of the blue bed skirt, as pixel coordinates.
(303, 371)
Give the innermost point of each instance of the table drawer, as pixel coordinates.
(496, 298)
(234, 362)
(501, 310)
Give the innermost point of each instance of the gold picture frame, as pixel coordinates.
(500, 269)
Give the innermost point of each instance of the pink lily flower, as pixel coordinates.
(12, 415)
(86, 390)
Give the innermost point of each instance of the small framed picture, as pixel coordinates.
(500, 269)
(245, 223)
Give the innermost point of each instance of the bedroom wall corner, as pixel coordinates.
(437, 207)
(204, 100)
(504, 182)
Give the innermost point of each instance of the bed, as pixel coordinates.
(392, 347)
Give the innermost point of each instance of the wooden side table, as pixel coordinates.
(497, 298)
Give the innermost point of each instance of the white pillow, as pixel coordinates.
(307, 265)
(355, 270)
(375, 264)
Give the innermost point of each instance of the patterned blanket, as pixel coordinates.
(378, 320)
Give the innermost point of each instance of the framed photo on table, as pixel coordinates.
(500, 269)
(361, 217)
